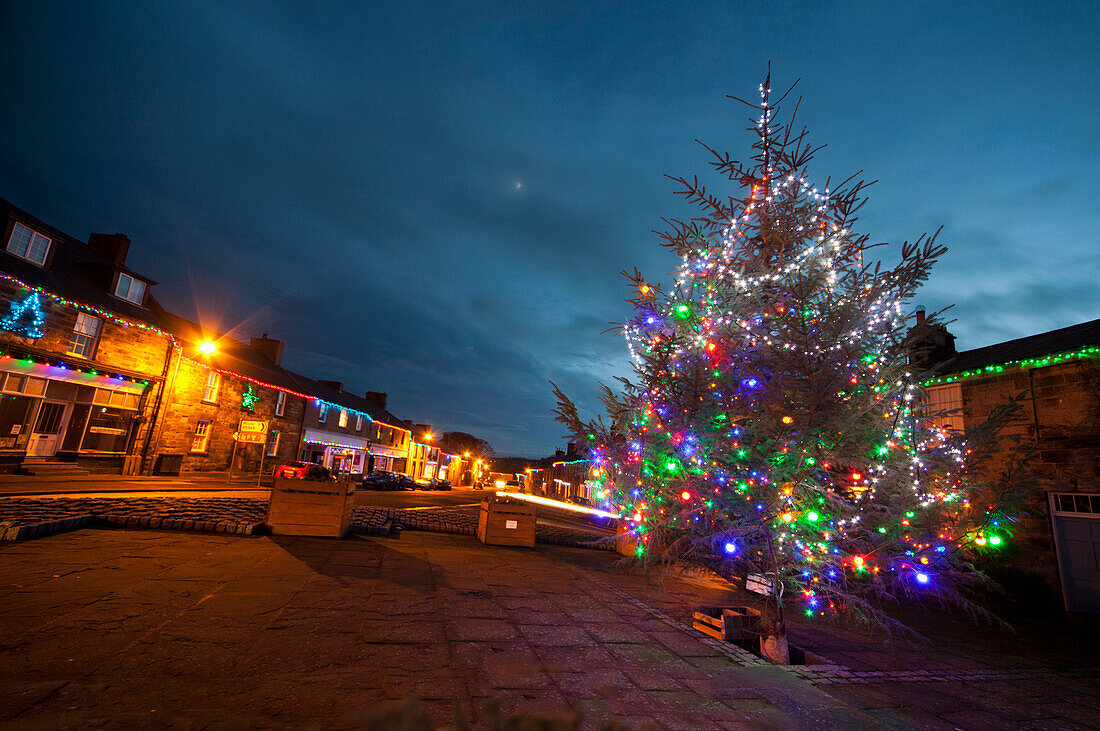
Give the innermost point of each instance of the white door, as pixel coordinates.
(48, 425)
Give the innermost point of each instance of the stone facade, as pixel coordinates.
(187, 407)
(1057, 428)
(138, 354)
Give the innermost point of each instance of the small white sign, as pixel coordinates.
(511, 524)
(759, 584)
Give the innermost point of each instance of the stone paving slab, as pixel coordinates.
(154, 628)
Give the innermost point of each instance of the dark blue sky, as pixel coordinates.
(435, 200)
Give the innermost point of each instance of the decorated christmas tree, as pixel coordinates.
(773, 429)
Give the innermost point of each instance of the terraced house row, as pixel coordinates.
(96, 375)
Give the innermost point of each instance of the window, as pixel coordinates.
(202, 436)
(322, 414)
(210, 394)
(130, 289)
(84, 337)
(943, 405)
(272, 442)
(280, 403)
(27, 244)
(359, 422)
(343, 417)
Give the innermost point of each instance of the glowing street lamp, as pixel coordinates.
(207, 348)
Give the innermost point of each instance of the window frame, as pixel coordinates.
(204, 436)
(130, 288)
(322, 413)
(207, 397)
(280, 403)
(343, 420)
(358, 422)
(272, 447)
(30, 244)
(93, 340)
(946, 401)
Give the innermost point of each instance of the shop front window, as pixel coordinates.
(107, 430)
(13, 419)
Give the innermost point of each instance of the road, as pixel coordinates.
(103, 486)
(471, 499)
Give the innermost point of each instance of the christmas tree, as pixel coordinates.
(774, 427)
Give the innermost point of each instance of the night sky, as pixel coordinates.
(436, 201)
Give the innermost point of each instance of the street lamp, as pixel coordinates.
(207, 348)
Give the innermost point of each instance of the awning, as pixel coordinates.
(334, 439)
(54, 373)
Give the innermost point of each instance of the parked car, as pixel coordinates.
(513, 486)
(294, 470)
(438, 484)
(383, 480)
(579, 500)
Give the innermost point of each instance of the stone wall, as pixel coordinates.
(187, 407)
(133, 350)
(1059, 425)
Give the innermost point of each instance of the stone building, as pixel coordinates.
(84, 352)
(339, 428)
(1057, 376)
(214, 398)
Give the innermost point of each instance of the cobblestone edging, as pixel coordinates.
(834, 674)
(26, 518)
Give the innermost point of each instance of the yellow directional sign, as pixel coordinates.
(252, 426)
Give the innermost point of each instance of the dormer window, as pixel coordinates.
(26, 244)
(130, 289)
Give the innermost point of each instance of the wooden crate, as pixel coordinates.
(506, 524)
(733, 624)
(307, 508)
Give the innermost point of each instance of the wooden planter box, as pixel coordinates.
(506, 524)
(307, 508)
(741, 626)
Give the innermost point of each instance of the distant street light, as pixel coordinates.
(207, 348)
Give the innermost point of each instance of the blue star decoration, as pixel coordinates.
(25, 318)
(248, 399)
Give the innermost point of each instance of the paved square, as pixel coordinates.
(155, 628)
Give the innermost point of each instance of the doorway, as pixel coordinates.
(46, 436)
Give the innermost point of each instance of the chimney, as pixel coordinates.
(113, 246)
(377, 398)
(271, 348)
(337, 385)
(929, 344)
(422, 429)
